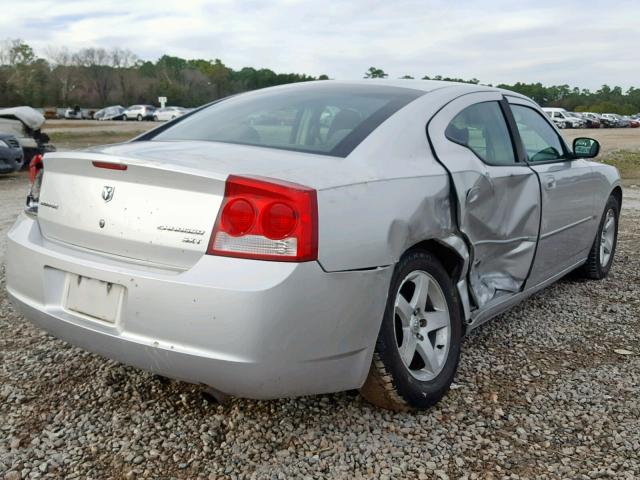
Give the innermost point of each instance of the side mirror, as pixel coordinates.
(585, 147)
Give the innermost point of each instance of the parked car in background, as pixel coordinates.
(560, 123)
(168, 113)
(25, 123)
(308, 256)
(139, 112)
(563, 119)
(607, 121)
(614, 120)
(588, 121)
(74, 113)
(11, 154)
(115, 112)
(632, 122)
(623, 122)
(593, 119)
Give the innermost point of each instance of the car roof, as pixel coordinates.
(426, 86)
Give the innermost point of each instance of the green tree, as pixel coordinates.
(374, 72)
(20, 53)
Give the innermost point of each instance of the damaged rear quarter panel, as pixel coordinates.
(371, 224)
(402, 195)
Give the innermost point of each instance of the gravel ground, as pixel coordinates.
(541, 393)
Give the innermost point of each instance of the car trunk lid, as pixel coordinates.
(143, 211)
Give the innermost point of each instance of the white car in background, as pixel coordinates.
(140, 112)
(168, 113)
(74, 113)
(563, 119)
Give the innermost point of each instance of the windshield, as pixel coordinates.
(322, 118)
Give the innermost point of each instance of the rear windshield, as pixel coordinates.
(320, 118)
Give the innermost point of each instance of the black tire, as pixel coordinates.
(595, 268)
(139, 118)
(390, 383)
(155, 118)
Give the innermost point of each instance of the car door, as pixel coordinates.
(567, 188)
(498, 197)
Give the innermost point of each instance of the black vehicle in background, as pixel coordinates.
(25, 124)
(11, 154)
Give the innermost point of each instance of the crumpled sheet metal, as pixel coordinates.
(27, 115)
(498, 270)
(501, 217)
(498, 209)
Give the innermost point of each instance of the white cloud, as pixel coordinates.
(583, 43)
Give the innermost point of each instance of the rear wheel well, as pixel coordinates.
(450, 259)
(617, 194)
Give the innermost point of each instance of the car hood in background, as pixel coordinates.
(27, 115)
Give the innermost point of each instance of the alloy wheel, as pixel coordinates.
(422, 325)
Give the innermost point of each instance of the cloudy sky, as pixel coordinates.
(583, 43)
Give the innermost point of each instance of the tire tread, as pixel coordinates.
(380, 387)
(592, 268)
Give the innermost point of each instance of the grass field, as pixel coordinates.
(628, 164)
(71, 140)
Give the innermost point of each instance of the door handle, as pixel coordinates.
(549, 182)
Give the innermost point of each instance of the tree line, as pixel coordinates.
(604, 100)
(97, 77)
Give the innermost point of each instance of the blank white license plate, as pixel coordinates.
(94, 298)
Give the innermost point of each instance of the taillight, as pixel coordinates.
(35, 165)
(36, 170)
(266, 219)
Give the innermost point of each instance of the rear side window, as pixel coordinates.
(483, 129)
(322, 118)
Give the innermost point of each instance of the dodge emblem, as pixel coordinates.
(107, 193)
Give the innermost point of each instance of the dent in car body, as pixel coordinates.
(372, 208)
(498, 208)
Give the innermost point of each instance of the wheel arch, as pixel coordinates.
(452, 261)
(453, 253)
(617, 194)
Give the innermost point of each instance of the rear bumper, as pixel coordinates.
(247, 328)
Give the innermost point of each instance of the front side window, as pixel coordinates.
(483, 129)
(540, 140)
(322, 118)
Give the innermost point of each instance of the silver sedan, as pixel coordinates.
(314, 237)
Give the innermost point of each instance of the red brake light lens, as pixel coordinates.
(266, 219)
(238, 217)
(35, 165)
(110, 166)
(278, 220)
